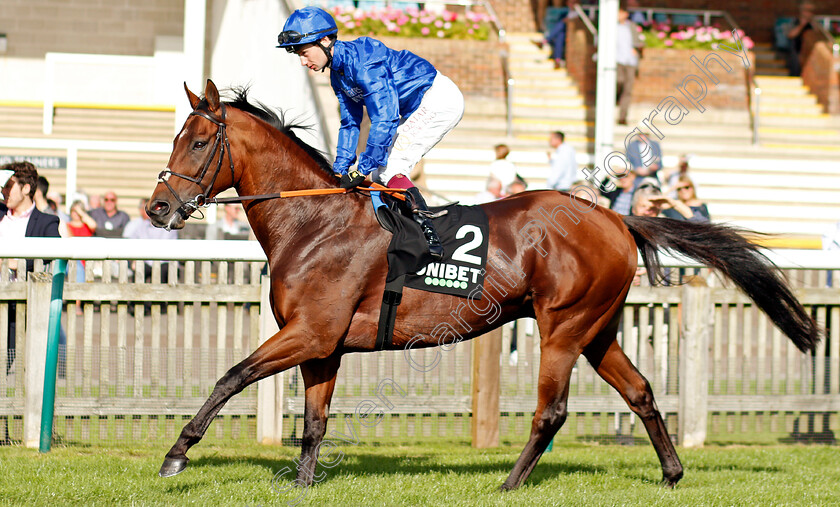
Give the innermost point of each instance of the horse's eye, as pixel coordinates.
(199, 145)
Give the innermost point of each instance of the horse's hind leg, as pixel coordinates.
(319, 378)
(614, 367)
(556, 365)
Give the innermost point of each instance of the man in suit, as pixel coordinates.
(20, 218)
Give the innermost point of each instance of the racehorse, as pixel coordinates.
(567, 265)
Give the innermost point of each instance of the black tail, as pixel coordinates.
(726, 250)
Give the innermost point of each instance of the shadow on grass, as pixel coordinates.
(358, 465)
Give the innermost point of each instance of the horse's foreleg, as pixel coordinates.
(281, 352)
(319, 379)
(552, 394)
(614, 367)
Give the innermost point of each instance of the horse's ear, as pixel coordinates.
(193, 98)
(212, 96)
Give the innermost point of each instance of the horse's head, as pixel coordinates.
(201, 164)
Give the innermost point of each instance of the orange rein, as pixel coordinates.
(375, 187)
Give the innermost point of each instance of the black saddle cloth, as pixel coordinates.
(463, 232)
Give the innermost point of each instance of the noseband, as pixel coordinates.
(220, 145)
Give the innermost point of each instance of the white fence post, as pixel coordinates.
(698, 316)
(39, 288)
(269, 390)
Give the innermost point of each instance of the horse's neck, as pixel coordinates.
(281, 224)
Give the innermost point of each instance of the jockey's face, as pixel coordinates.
(313, 56)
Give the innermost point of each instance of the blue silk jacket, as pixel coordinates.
(389, 83)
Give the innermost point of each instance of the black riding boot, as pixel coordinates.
(420, 212)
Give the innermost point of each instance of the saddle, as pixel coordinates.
(463, 230)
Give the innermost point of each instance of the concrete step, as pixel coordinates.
(546, 103)
(767, 195)
(785, 108)
(778, 81)
(795, 228)
(794, 99)
(774, 119)
(559, 92)
(534, 82)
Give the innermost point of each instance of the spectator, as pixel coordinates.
(503, 169)
(796, 33)
(621, 199)
(556, 36)
(637, 16)
(627, 61)
(93, 202)
(45, 205)
(42, 187)
(492, 193)
(229, 227)
(81, 225)
(671, 175)
(110, 221)
(519, 185)
(648, 201)
(688, 196)
(55, 200)
(142, 228)
(20, 218)
(645, 157)
(563, 168)
(600, 200)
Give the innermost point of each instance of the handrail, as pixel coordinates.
(509, 81)
(584, 16)
(824, 22)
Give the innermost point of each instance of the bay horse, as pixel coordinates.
(327, 257)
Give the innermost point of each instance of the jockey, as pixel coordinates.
(410, 104)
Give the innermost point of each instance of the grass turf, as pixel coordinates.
(442, 473)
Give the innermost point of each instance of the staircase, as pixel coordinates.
(544, 100)
(788, 184)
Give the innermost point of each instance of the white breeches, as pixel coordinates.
(441, 108)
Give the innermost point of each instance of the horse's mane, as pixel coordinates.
(277, 120)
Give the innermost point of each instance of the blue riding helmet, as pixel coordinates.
(304, 26)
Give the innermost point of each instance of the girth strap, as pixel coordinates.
(391, 299)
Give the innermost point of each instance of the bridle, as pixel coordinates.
(220, 145)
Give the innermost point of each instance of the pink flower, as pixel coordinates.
(669, 43)
(438, 24)
(748, 43)
(661, 35)
(425, 30)
(440, 34)
(351, 25)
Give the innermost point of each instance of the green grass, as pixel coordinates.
(423, 473)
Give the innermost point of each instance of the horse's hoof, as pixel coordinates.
(173, 466)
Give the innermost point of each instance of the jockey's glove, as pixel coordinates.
(352, 179)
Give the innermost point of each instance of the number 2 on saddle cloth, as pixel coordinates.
(463, 232)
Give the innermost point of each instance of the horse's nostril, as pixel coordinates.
(158, 208)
